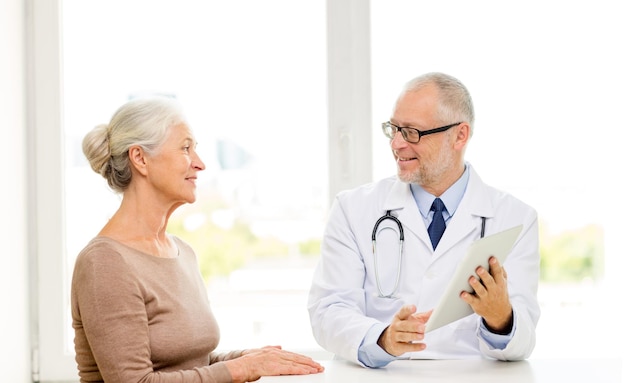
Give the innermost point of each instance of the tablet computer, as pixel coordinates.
(451, 307)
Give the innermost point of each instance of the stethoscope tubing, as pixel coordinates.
(401, 235)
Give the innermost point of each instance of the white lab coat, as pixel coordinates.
(344, 301)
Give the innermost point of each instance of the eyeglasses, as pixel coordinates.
(411, 135)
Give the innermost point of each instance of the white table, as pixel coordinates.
(466, 371)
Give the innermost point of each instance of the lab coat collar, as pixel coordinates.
(476, 203)
(402, 204)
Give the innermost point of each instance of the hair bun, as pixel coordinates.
(97, 149)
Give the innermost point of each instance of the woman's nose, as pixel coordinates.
(197, 163)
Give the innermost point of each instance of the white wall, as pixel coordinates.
(14, 316)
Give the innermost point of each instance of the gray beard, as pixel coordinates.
(431, 173)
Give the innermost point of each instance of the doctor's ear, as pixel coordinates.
(463, 133)
(138, 158)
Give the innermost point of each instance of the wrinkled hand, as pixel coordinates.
(270, 361)
(405, 331)
(490, 299)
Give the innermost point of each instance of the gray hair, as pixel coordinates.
(143, 122)
(455, 102)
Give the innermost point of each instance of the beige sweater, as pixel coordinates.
(139, 318)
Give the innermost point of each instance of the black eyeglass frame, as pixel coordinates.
(388, 127)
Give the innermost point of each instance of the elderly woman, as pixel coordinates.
(139, 306)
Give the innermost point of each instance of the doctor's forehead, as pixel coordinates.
(415, 111)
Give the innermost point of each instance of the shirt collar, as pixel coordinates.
(451, 197)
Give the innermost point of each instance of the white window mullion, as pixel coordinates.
(55, 362)
(349, 94)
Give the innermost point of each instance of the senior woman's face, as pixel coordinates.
(174, 169)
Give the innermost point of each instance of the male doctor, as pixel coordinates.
(371, 307)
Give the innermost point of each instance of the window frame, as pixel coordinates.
(44, 79)
(350, 164)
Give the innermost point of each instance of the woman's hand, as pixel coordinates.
(269, 361)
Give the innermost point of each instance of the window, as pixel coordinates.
(255, 97)
(546, 80)
(253, 86)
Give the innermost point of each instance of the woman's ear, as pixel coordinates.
(138, 159)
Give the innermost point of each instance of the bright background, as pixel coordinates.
(547, 81)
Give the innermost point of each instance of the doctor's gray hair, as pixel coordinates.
(455, 102)
(141, 122)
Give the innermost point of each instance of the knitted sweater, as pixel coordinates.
(140, 318)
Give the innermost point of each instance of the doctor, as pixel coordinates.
(369, 304)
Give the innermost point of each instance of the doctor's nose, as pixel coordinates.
(398, 141)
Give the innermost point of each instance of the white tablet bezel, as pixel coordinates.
(451, 307)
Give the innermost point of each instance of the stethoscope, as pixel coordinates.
(401, 236)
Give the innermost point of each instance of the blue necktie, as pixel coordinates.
(438, 225)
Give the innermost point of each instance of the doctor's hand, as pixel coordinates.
(405, 332)
(490, 299)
